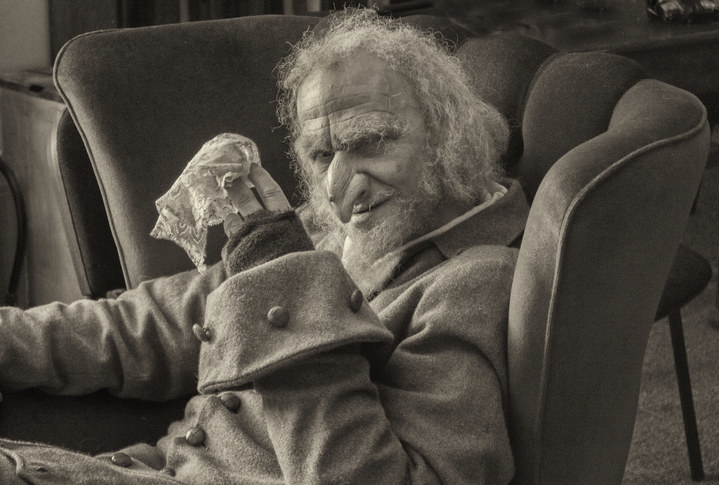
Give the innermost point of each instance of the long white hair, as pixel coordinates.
(467, 137)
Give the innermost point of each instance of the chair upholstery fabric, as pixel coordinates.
(100, 271)
(188, 82)
(597, 250)
(570, 101)
(614, 161)
(502, 69)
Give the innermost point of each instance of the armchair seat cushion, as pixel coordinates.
(688, 277)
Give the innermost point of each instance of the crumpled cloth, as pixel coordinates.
(198, 198)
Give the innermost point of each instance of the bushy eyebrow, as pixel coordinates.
(353, 133)
(370, 129)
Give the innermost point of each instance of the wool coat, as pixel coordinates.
(302, 378)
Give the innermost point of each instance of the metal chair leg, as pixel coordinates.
(685, 395)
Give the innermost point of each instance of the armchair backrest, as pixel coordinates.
(92, 247)
(146, 99)
(612, 162)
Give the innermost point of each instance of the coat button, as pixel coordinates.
(356, 300)
(278, 316)
(168, 471)
(202, 333)
(231, 401)
(195, 436)
(121, 459)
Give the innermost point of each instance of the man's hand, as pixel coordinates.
(265, 228)
(245, 201)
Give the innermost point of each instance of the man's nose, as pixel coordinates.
(344, 186)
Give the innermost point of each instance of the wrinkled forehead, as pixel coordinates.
(366, 85)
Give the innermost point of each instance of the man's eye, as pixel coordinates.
(321, 160)
(323, 155)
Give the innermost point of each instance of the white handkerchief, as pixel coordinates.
(198, 198)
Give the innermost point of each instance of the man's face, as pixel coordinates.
(364, 137)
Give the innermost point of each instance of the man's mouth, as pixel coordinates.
(365, 208)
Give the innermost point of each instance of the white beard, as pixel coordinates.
(364, 253)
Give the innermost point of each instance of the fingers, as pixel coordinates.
(270, 192)
(246, 202)
(243, 199)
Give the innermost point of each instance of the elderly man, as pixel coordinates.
(373, 352)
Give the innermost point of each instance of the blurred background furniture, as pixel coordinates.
(219, 79)
(679, 53)
(31, 109)
(69, 18)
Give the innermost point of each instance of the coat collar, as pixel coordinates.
(501, 223)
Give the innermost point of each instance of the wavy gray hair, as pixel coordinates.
(467, 136)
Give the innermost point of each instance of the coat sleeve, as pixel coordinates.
(430, 413)
(140, 345)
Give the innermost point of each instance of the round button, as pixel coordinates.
(278, 316)
(195, 436)
(202, 333)
(168, 471)
(121, 459)
(231, 401)
(356, 300)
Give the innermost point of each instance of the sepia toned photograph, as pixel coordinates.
(359, 242)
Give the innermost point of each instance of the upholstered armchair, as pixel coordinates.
(610, 160)
(599, 150)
